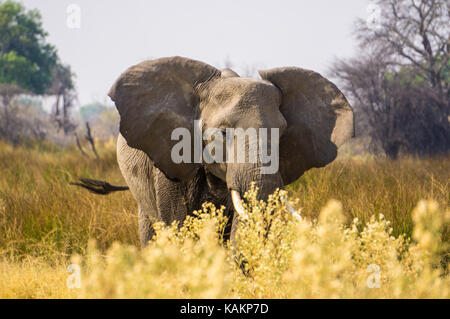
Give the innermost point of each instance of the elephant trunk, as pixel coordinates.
(241, 176)
(240, 179)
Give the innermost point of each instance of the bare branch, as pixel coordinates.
(91, 140)
(79, 145)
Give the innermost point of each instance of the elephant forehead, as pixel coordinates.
(241, 91)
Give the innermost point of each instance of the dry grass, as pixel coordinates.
(42, 215)
(34, 278)
(368, 186)
(44, 221)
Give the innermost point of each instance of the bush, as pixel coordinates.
(283, 258)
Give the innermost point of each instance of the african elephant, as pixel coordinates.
(156, 97)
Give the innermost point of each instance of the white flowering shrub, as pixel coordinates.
(277, 256)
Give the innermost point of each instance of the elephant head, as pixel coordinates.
(308, 113)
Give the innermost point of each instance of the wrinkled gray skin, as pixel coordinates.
(157, 96)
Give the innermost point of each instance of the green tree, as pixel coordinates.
(30, 65)
(25, 58)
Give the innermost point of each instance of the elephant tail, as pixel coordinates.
(99, 187)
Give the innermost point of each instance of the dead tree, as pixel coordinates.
(63, 89)
(415, 33)
(399, 83)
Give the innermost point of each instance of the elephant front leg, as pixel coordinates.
(146, 230)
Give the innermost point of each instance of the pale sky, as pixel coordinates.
(117, 34)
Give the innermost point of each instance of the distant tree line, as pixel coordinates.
(399, 82)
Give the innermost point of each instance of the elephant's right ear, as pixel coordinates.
(154, 98)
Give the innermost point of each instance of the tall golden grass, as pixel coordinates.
(379, 221)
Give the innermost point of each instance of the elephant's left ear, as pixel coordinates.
(319, 120)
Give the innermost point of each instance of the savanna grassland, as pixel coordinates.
(371, 228)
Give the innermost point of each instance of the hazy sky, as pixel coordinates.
(117, 34)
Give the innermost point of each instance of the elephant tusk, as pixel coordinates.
(291, 209)
(294, 212)
(236, 198)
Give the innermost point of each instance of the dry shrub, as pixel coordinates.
(179, 263)
(278, 257)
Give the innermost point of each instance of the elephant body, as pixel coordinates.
(161, 199)
(300, 116)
